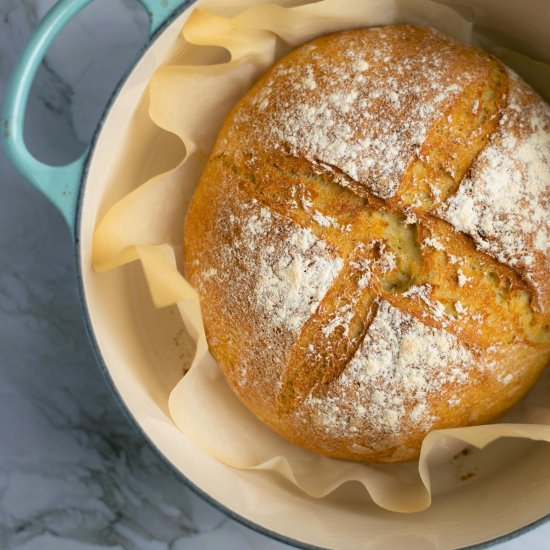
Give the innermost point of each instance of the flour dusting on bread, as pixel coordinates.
(290, 280)
(504, 203)
(342, 128)
(399, 364)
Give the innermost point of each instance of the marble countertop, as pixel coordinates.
(73, 473)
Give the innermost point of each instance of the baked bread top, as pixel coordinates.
(370, 241)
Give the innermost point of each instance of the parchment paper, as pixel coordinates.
(191, 98)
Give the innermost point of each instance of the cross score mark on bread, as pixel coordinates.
(378, 191)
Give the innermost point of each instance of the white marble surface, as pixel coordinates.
(73, 474)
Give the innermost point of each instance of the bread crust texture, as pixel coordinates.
(370, 242)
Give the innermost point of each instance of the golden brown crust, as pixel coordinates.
(343, 305)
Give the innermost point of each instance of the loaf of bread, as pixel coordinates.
(370, 242)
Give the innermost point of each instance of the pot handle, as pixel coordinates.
(60, 184)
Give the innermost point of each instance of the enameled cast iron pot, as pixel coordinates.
(121, 322)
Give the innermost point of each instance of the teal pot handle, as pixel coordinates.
(60, 184)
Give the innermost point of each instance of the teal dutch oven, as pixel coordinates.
(127, 336)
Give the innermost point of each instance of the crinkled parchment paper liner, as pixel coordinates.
(191, 100)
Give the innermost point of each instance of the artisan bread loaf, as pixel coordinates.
(370, 242)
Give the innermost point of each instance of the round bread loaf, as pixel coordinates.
(370, 242)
